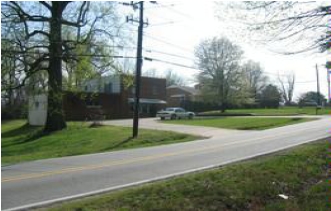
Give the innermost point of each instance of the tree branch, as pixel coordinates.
(46, 5)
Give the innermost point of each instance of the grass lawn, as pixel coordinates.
(21, 142)
(276, 111)
(299, 173)
(242, 123)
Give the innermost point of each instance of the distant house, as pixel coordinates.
(176, 95)
(109, 98)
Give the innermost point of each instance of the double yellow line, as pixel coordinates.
(136, 160)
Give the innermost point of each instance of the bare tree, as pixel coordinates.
(301, 22)
(174, 79)
(36, 38)
(287, 83)
(253, 73)
(218, 59)
(150, 73)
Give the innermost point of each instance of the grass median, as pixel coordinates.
(241, 123)
(21, 142)
(263, 183)
(286, 111)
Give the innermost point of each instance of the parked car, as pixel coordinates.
(175, 113)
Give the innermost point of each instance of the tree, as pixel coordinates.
(253, 74)
(174, 79)
(35, 37)
(303, 23)
(220, 74)
(84, 68)
(287, 87)
(311, 98)
(270, 97)
(150, 73)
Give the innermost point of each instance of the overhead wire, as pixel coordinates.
(171, 63)
(168, 43)
(171, 8)
(70, 56)
(168, 54)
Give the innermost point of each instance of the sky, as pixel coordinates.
(175, 29)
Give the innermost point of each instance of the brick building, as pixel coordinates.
(176, 95)
(104, 98)
(109, 98)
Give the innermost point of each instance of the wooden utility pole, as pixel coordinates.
(138, 5)
(138, 70)
(328, 69)
(328, 78)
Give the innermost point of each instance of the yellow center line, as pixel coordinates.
(135, 160)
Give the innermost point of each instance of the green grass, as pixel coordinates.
(21, 142)
(241, 123)
(277, 111)
(299, 173)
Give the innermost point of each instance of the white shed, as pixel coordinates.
(37, 110)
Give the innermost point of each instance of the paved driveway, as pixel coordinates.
(156, 124)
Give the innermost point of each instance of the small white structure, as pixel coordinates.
(37, 110)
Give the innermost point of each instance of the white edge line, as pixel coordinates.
(91, 193)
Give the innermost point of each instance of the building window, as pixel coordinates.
(108, 88)
(154, 90)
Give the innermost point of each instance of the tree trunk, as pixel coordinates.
(55, 114)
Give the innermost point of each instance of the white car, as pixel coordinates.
(175, 113)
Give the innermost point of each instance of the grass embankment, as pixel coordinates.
(300, 174)
(286, 111)
(21, 142)
(241, 123)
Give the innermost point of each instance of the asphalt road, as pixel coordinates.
(43, 182)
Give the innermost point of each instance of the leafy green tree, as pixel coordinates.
(35, 32)
(311, 97)
(270, 97)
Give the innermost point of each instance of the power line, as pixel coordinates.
(178, 12)
(171, 63)
(168, 43)
(169, 54)
(78, 44)
(69, 56)
(158, 6)
(296, 82)
(158, 16)
(162, 23)
(192, 67)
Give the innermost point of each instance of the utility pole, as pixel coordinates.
(328, 78)
(138, 70)
(139, 62)
(328, 71)
(318, 90)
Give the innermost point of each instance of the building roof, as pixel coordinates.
(148, 101)
(188, 89)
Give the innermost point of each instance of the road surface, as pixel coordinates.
(48, 181)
